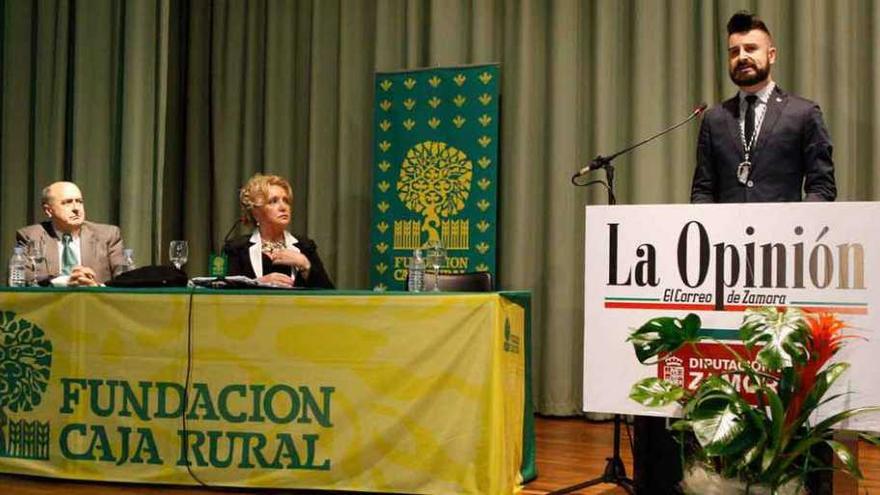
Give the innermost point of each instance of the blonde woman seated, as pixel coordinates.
(271, 254)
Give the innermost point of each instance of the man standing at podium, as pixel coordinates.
(763, 144)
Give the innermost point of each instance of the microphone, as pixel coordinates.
(240, 219)
(603, 161)
(229, 234)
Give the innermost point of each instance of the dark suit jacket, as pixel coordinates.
(238, 254)
(793, 152)
(101, 248)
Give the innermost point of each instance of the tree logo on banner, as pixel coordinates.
(436, 170)
(25, 364)
(435, 181)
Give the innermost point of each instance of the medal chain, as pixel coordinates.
(748, 147)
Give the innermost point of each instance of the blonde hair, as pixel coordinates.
(256, 191)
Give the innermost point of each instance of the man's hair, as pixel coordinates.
(743, 22)
(47, 194)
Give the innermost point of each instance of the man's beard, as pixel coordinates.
(744, 79)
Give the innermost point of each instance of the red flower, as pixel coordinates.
(824, 338)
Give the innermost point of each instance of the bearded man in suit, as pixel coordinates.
(762, 145)
(87, 253)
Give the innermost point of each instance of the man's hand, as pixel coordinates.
(82, 276)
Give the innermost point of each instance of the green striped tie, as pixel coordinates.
(68, 259)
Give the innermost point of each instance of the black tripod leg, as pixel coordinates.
(615, 471)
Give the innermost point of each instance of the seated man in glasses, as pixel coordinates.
(77, 252)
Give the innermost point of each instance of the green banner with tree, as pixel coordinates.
(435, 170)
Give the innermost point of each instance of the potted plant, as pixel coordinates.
(766, 447)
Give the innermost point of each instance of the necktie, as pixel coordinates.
(68, 259)
(749, 123)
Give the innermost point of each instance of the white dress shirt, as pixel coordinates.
(760, 108)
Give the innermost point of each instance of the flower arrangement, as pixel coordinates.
(770, 443)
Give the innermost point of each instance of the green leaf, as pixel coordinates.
(824, 380)
(718, 432)
(872, 439)
(786, 385)
(717, 426)
(781, 333)
(781, 463)
(664, 335)
(753, 453)
(722, 421)
(850, 462)
(827, 423)
(777, 422)
(681, 425)
(814, 435)
(654, 392)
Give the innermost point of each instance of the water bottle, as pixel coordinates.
(18, 268)
(127, 260)
(416, 275)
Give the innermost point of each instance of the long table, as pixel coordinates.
(390, 392)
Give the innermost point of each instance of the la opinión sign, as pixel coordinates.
(740, 270)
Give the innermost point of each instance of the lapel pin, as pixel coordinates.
(778, 100)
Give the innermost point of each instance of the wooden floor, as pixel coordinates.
(569, 451)
(573, 450)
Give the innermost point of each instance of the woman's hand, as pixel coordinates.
(293, 259)
(277, 279)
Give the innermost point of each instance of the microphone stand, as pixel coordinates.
(604, 162)
(615, 470)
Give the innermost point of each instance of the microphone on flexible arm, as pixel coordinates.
(605, 161)
(240, 219)
(229, 234)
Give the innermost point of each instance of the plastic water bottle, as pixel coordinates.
(127, 260)
(18, 268)
(416, 275)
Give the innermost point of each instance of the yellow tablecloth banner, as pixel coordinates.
(393, 393)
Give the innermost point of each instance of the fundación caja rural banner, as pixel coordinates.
(435, 169)
(361, 392)
(715, 261)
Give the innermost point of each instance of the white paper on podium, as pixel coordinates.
(663, 260)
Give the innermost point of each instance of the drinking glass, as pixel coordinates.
(436, 257)
(177, 253)
(36, 255)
